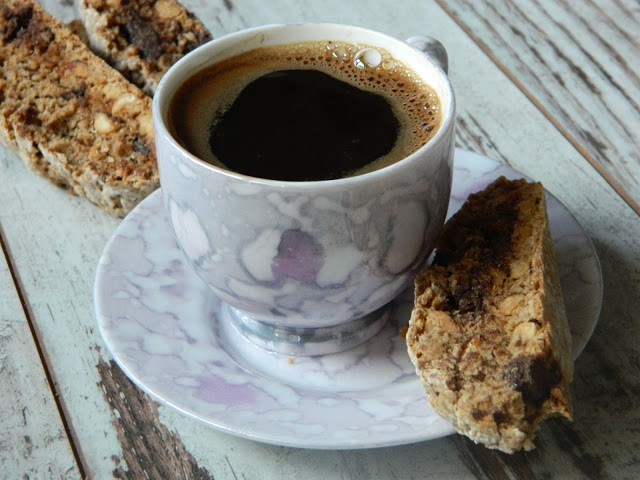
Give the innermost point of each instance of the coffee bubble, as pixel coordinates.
(388, 64)
(368, 57)
(341, 53)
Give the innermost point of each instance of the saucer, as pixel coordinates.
(170, 335)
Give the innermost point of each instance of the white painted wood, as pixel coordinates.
(579, 60)
(56, 241)
(33, 443)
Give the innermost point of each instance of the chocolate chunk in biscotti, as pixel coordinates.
(488, 334)
(141, 38)
(69, 115)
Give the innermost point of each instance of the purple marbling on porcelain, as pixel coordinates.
(306, 266)
(167, 331)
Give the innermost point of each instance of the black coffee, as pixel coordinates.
(310, 111)
(303, 125)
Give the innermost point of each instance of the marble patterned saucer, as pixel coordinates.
(169, 334)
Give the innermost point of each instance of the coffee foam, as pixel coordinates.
(211, 91)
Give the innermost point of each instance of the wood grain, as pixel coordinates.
(149, 449)
(577, 62)
(37, 445)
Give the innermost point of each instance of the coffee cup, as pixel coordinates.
(305, 266)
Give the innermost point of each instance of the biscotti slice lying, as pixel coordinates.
(69, 115)
(488, 333)
(141, 38)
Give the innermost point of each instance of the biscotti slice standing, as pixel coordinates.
(488, 334)
(141, 38)
(69, 115)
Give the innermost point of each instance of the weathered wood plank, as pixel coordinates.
(578, 62)
(34, 442)
(57, 239)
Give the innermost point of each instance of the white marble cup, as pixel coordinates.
(306, 268)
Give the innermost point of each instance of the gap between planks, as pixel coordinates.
(28, 313)
(548, 115)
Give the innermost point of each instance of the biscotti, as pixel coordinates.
(69, 115)
(488, 334)
(141, 38)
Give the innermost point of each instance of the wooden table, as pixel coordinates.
(551, 88)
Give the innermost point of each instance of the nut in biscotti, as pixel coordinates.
(69, 115)
(488, 334)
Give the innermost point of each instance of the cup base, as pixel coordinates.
(308, 341)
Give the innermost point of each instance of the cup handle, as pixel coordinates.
(432, 48)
